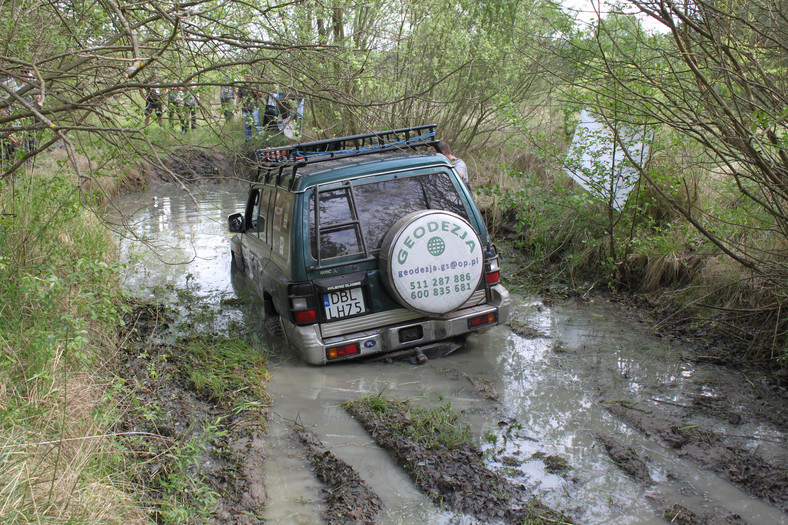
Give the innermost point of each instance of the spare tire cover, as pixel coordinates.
(431, 261)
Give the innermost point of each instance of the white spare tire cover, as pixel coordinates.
(431, 261)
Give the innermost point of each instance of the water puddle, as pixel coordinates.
(543, 398)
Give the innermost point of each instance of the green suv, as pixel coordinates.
(368, 245)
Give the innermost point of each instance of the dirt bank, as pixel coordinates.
(198, 453)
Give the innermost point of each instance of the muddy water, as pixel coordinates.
(548, 386)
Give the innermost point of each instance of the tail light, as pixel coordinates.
(483, 320)
(335, 352)
(302, 303)
(492, 272)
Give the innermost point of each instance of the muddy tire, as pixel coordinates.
(431, 261)
(273, 326)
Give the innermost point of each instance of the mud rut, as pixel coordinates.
(231, 467)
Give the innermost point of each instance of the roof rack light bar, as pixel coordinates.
(320, 150)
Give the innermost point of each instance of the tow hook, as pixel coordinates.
(418, 358)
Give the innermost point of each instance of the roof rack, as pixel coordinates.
(352, 146)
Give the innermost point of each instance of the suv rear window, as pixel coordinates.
(378, 205)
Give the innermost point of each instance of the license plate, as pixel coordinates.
(344, 303)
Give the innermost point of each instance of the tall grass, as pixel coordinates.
(59, 315)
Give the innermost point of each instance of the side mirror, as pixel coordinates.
(235, 223)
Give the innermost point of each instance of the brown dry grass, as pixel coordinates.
(59, 458)
(665, 268)
(51, 463)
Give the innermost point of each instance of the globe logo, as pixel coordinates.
(436, 246)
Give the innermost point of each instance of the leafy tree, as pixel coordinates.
(89, 61)
(715, 75)
(458, 64)
(399, 63)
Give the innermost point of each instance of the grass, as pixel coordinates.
(438, 426)
(59, 314)
(228, 370)
(63, 457)
(375, 403)
(193, 399)
(433, 427)
(572, 243)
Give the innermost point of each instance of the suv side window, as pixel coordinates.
(379, 205)
(282, 223)
(252, 210)
(263, 219)
(258, 200)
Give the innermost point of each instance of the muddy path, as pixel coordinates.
(196, 440)
(575, 402)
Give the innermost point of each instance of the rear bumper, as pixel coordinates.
(384, 333)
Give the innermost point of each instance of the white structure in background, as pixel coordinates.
(597, 162)
(291, 124)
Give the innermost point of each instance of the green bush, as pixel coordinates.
(59, 313)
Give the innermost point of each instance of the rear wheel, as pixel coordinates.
(273, 325)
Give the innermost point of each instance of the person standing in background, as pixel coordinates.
(248, 98)
(8, 142)
(152, 94)
(9, 84)
(227, 100)
(443, 148)
(175, 105)
(190, 101)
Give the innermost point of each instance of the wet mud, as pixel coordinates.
(453, 476)
(704, 424)
(684, 516)
(196, 456)
(348, 498)
(712, 451)
(626, 458)
(198, 165)
(481, 386)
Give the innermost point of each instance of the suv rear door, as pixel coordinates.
(355, 216)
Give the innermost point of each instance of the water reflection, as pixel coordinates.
(551, 385)
(178, 238)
